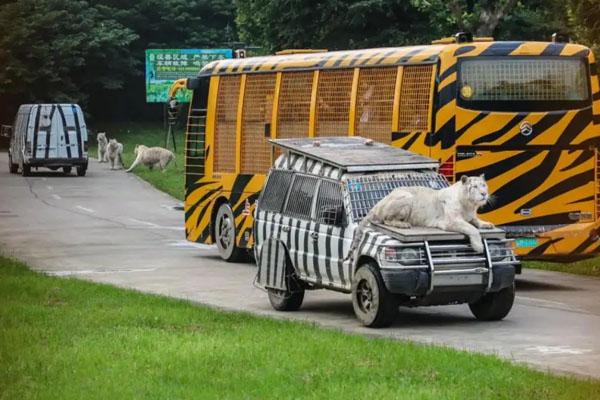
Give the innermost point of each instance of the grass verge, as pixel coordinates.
(172, 180)
(588, 267)
(69, 339)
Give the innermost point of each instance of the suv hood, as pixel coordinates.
(419, 234)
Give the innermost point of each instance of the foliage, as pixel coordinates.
(585, 17)
(588, 266)
(68, 339)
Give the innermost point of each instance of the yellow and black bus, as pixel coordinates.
(525, 114)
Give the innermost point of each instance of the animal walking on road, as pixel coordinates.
(114, 154)
(152, 157)
(102, 143)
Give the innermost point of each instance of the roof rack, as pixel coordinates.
(354, 154)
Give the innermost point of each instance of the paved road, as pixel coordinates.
(111, 227)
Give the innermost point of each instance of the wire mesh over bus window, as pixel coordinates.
(275, 191)
(225, 124)
(367, 190)
(526, 79)
(375, 103)
(330, 206)
(256, 120)
(301, 196)
(333, 102)
(294, 104)
(415, 97)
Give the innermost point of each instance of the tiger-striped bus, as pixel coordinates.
(525, 114)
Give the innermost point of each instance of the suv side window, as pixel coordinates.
(330, 206)
(301, 196)
(273, 195)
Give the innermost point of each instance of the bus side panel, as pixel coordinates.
(594, 69)
(240, 191)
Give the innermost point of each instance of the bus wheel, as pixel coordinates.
(373, 305)
(67, 170)
(13, 168)
(494, 306)
(225, 235)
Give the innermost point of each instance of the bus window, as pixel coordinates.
(256, 118)
(375, 103)
(524, 84)
(226, 114)
(415, 97)
(333, 102)
(294, 104)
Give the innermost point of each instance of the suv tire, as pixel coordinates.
(373, 305)
(225, 235)
(13, 168)
(494, 306)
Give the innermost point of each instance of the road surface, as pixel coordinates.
(111, 227)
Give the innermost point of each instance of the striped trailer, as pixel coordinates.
(315, 196)
(525, 114)
(49, 135)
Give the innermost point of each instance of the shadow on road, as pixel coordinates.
(534, 286)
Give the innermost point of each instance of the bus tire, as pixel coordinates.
(13, 168)
(494, 306)
(225, 235)
(373, 305)
(67, 170)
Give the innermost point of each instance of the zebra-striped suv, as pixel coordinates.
(314, 197)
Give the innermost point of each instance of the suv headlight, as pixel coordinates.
(500, 251)
(403, 255)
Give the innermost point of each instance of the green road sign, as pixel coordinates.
(164, 66)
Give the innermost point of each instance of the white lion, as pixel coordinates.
(152, 157)
(102, 143)
(114, 154)
(451, 209)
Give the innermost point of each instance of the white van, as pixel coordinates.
(49, 135)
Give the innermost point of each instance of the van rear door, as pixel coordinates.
(71, 129)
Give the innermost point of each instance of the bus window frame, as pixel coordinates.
(524, 105)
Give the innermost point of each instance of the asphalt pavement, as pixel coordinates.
(113, 228)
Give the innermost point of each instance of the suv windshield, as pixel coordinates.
(366, 190)
(524, 83)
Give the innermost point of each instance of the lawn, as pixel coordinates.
(70, 339)
(590, 266)
(172, 180)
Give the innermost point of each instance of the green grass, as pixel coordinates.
(70, 339)
(588, 267)
(172, 180)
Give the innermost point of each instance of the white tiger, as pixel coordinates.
(114, 154)
(102, 143)
(152, 157)
(451, 209)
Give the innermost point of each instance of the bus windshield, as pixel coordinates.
(524, 84)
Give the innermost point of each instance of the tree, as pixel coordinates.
(60, 51)
(585, 17)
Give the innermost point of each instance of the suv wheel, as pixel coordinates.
(494, 306)
(13, 168)
(286, 300)
(373, 305)
(25, 170)
(225, 235)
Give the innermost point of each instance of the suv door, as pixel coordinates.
(302, 236)
(330, 248)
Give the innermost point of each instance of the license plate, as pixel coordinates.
(526, 242)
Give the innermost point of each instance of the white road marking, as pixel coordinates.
(559, 350)
(86, 209)
(56, 197)
(97, 272)
(156, 226)
(185, 243)
(558, 303)
(172, 207)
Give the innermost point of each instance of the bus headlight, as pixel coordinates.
(403, 255)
